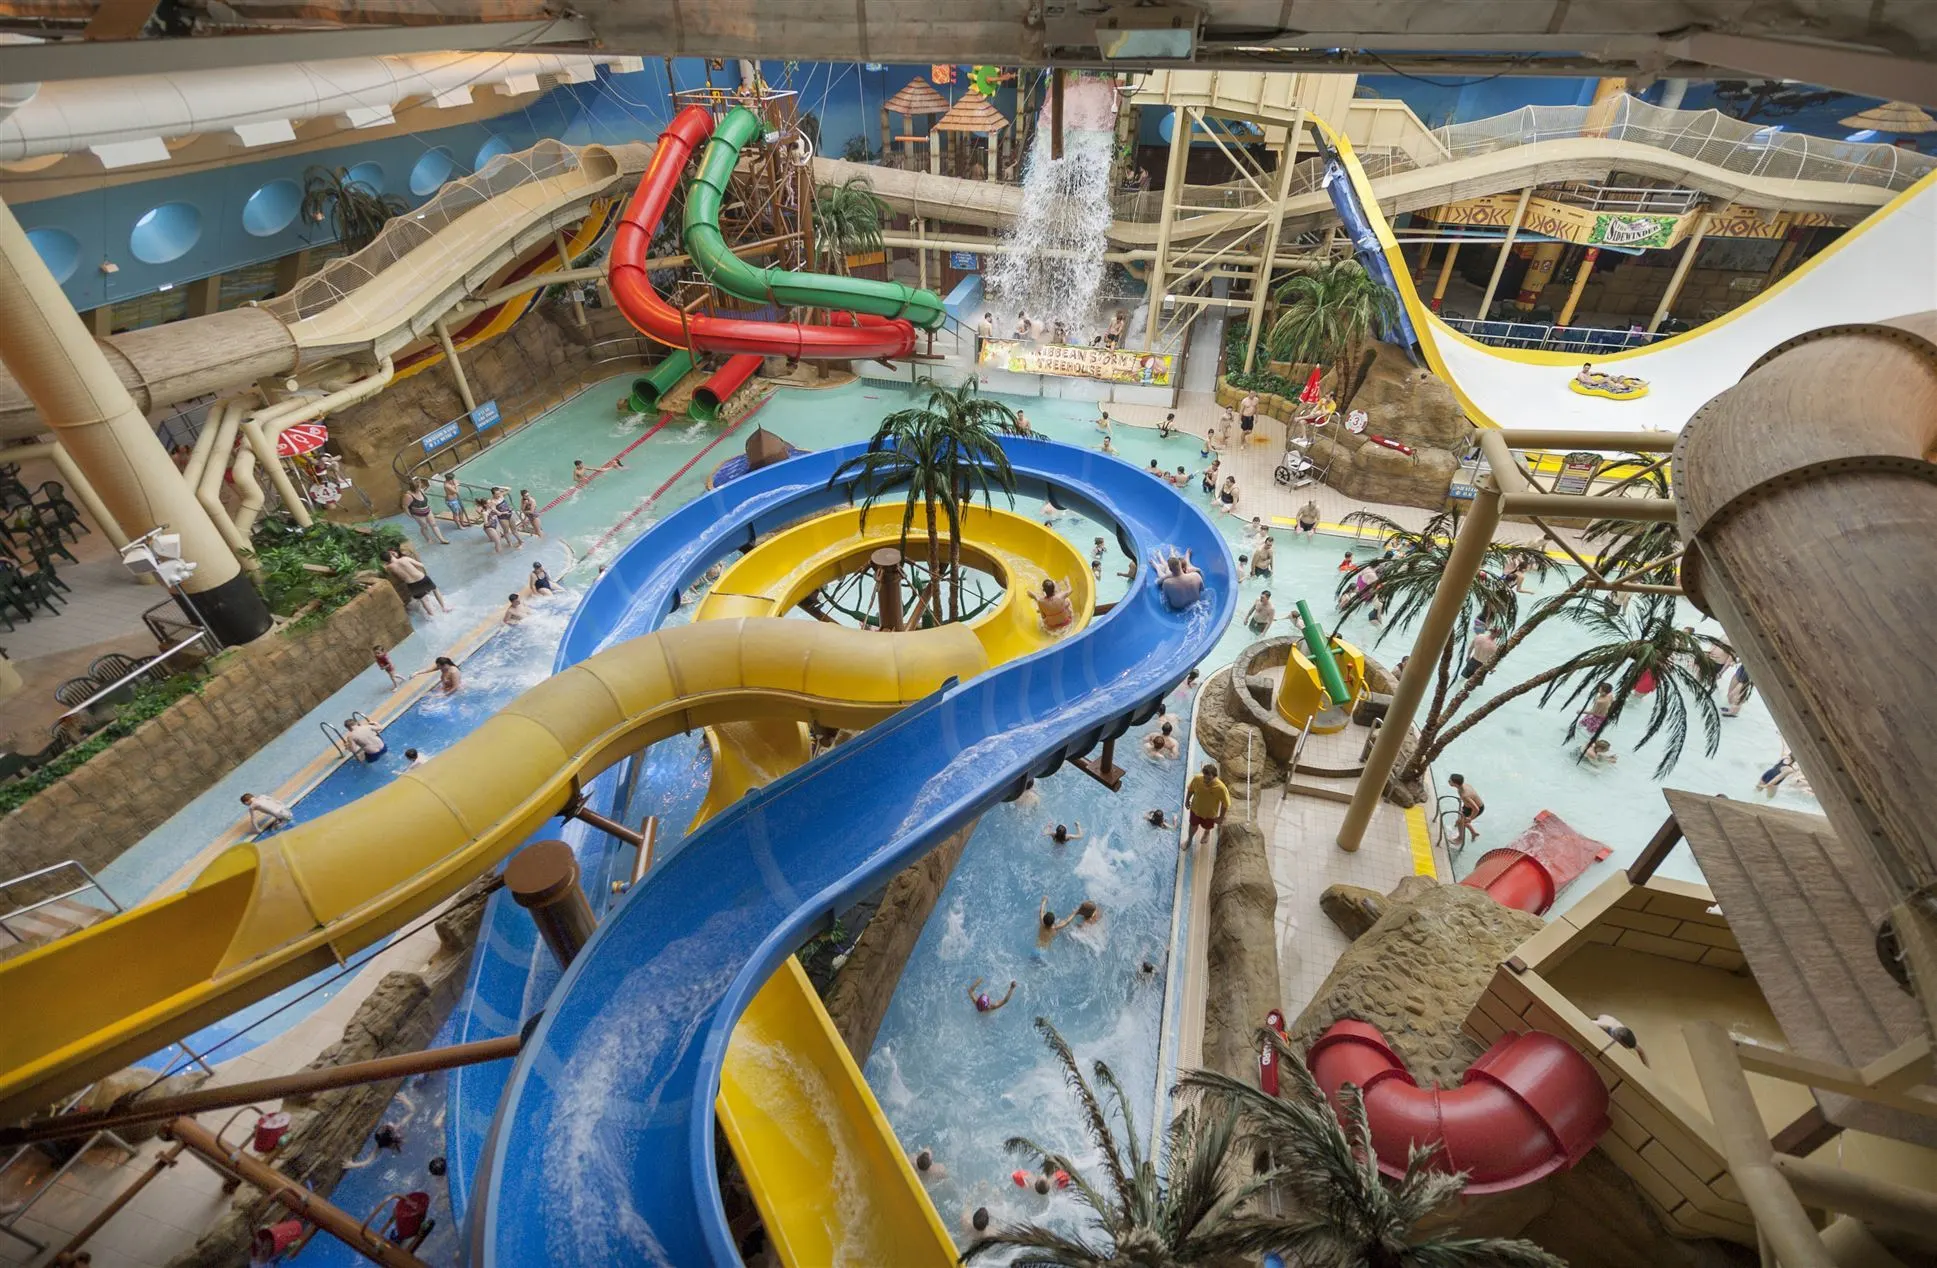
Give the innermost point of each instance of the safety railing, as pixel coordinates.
(1671, 200)
(146, 669)
(609, 357)
(15, 1214)
(88, 883)
(1526, 334)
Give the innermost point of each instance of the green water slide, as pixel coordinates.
(647, 392)
(781, 287)
(1320, 650)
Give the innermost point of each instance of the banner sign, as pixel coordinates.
(485, 416)
(963, 260)
(1632, 231)
(444, 435)
(1110, 365)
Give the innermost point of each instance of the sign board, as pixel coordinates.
(1109, 365)
(963, 260)
(433, 441)
(485, 416)
(1577, 472)
(301, 438)
(1632, 231)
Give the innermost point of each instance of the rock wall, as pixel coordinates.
(256, 692)
(1403, 402)
(328, 1129)
(858, 998)
(544, 347)
(1241, 952)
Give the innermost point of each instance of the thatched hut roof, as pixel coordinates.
(973, 113)
(917, 98)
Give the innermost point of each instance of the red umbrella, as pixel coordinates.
(301, 438)
(1310, 395)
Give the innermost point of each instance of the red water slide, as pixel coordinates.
(1530, 1105)
(1514, 878)
(847, 336)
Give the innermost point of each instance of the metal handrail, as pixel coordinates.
(1528, 334)
(129, 677)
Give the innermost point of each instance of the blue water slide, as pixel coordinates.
(1365, 241)
(602, 1149)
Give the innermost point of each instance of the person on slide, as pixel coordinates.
(1183, 585)
(1053, 605)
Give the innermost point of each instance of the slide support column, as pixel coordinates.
(1182, 126)
(1585, 271)
(543, 879)
(63, 371)
(1469, 551)
(564, 266)
(1506, 249)
(1445, 273)
(1261, 282)
(457, 367)
(1680, 275)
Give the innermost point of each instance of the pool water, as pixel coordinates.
(960, 1082)
(951, 1079)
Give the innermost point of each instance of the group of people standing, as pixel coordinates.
(1040, 330)
(503, 527)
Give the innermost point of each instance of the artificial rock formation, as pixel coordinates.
(858, 998)
(1241, 953)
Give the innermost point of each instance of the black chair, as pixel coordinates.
(57, 517)
(44, 561)
(75, 691)
(17, 590)
(115, 666)
(12, 596)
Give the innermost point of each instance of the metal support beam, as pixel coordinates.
(543, 879)
(232, 1095)
(293, 1197)
(1462, 566)
(1261, 285)
(106, 59)
(1869, 74)
(1182, 126)
(564, 266)
(1102, 768)
(1506, 249)
(1675, 279)
(457, 367)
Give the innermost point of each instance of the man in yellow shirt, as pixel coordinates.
(1207, 799)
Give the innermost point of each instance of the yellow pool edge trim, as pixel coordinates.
(1419, 836)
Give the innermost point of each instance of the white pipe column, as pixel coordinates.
(222, 421)
(1182, 125)
(457, 367)
(65, 374)
(262, 429)
(1680, 275)
(1506, 250)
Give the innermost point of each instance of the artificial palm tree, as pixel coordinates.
(1327, 317)
(1342, 1212)
(1185, 1214)
(848, 220)
(942, 452)
(355, 209)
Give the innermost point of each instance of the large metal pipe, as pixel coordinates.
(291, 1196)
(54, 358)
(1809, 511)
(232, 1095)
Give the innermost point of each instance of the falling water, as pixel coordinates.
(1054, 266)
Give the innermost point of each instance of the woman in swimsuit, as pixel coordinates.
(418, 504)
(1227, 495)
(528, 506)
(541, 581)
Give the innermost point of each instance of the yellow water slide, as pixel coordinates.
(823, 1164)
(268, 914)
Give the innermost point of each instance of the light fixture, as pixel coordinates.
(166, 286)
(109, 266)
(1124, 30)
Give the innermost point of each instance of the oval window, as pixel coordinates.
(165, 233)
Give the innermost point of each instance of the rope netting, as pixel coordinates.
(340, 278)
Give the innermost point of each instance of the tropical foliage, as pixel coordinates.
(148, 700)
(848, 220)
(316, 570)
(940, 455)
(1340, 1212)
(1243, 1174)
(1642, 652)
(356, 210)
(1328, 316)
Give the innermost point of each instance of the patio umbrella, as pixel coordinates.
(1892, 116)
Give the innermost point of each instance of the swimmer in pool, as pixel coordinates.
(1086, 911)
(1161, 742)
(926, 1167)
(981, 999)
(1063, 835)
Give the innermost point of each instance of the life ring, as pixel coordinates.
(1615, 390)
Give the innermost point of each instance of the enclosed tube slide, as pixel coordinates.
(1320, 652)
(648, 390)
(780, 287)
(720, 387)
(1514, 878)
(848, 336)
(1530, 1106)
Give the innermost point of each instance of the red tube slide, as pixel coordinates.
(1530, 1105)
(848, 335)
(725, 381)
(1513, 878)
